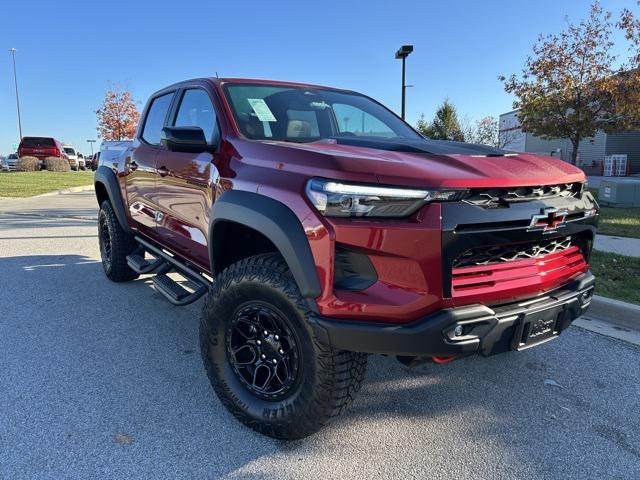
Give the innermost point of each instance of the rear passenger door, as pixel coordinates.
(184, 180)
(140, 165)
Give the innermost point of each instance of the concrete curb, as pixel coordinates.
(84, 188)
(621, 314)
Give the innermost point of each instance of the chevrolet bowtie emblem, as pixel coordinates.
(548, 221)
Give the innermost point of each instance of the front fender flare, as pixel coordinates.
(279, 224)
(108, 179)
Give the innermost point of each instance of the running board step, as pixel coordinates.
(141, 265)
(174, 292)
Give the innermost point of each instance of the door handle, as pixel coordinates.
(163, 171)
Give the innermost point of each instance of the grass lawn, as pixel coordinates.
(622, 222)
(617, 276)
(28, 184)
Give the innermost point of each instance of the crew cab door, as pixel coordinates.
(140, 166)
(184, 189)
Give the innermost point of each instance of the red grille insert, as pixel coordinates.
(530, 275)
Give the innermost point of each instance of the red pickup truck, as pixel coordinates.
(41, 148)
(323, 228)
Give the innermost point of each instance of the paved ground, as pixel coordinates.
(99, 380)
(619, 245)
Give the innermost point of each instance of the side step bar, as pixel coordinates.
(176, 293)
(172, 290)
(141, 265)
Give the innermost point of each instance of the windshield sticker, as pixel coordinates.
(261, 109)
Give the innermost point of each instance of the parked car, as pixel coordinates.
(81, 161)
(95, 161)
(323, 228)
(90, 161)
(72, 155)
(41, 148)
(10, 162)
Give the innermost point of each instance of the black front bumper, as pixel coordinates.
(480, 329)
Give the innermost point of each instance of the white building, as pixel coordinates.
(591, 151)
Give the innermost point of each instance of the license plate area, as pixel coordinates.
(536, 328)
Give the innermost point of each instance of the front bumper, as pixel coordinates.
(485, 330)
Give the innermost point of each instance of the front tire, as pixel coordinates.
(115, 245)
(263, 358)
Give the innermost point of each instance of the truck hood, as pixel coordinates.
(432, 163)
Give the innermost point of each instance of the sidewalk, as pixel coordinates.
(74, 204)
(620, 245)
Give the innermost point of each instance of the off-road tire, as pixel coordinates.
(328, 379)
(114, 261)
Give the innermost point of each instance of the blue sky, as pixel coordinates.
(69, 53)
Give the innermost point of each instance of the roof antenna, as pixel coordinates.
(217, 75)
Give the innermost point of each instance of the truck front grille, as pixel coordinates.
(500, 197)
(511, 253)
(538, 273)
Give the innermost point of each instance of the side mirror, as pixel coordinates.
(184, 139)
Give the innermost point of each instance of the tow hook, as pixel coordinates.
(443, 360)
(412, 362)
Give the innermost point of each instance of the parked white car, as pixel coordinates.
(74, 161)
(82, 163)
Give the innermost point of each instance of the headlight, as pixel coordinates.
(336, 199)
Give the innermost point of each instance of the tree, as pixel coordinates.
(484, 132)
(506, 138)
(631, 27)
(629, 85)
(118, 116)
(570, 87)
(423, 126)
(445, 125)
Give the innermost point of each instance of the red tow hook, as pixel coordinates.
(442, 360)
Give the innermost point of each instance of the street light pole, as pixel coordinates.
(402, 54)
(15, 80)
(91, 142)
(404, 86)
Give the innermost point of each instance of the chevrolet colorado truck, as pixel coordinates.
(322, 228)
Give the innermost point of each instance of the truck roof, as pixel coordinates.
(258, 81)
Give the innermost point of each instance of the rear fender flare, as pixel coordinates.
(107, 178)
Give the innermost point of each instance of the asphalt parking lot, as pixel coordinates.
(103, 380)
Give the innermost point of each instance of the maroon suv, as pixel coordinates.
(323, 228)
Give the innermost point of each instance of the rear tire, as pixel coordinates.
(115, 245)
(254, 309)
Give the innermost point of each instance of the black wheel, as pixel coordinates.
(115, 245)
(263, 358)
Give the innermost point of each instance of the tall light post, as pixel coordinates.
(15, 80)
(91, 142)
(402, 54)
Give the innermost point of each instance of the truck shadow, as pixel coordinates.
(114, 359)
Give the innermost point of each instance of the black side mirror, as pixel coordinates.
(185, 139)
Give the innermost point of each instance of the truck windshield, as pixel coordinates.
(298, 114)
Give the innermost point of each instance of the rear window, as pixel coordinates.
(70, 151)
(38, 142)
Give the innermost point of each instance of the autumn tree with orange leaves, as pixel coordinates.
(118, 116)
(574, 85)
